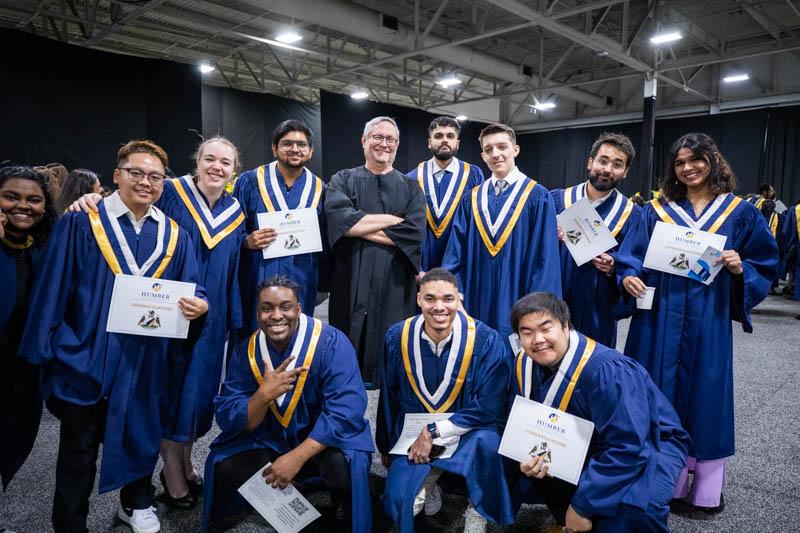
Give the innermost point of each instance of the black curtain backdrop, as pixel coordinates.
(67, 104)
(343, 122)
(248, 119)
(761, 146)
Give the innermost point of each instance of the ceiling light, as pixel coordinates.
(205, 68)
(448, 82)
(461, 118)
(359, 95)
(288, 37)
(733, 78)
(544, 106)
(662, 38)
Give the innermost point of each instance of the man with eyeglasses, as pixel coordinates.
(445, 180)
(108, 387)
(375, 223)
(593, 291)
(282, 185)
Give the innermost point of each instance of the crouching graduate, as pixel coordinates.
(308, 429)
(108, 387)
(638, 448)
(443, 361)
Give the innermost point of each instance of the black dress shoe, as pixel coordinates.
(195, 486)
(188, 501)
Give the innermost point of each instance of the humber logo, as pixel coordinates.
(288, 216)
(690, 234)
(552, 418)
(597, 223)
(157, 287)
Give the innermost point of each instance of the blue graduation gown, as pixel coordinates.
(494, 272)
(256, 194)
(596, 301)
(791, 238)
(685, 341)
(475, 394)
(328, 407)
(638, 447)
(217, 241)
(438, 226)
(81, 362)
(21, 398)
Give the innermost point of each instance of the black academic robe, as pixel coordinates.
(372, 285)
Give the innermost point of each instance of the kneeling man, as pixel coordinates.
(311, 426)
(443, 361)
(638, 447)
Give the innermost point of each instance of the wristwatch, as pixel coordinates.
(433, 430)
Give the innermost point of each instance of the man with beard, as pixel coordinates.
(292, 406)
(281, 185)
(593, 291)
(445, 180)
(376, 222)
(443, 361)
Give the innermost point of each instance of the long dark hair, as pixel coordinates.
(720, 178)
(79, 182)
(41, 231)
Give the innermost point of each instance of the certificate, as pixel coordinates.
(675, 249)
(148, 306)
(298, 232)
(413, 425)
(533, 429)
(286, 510)
(585, 234)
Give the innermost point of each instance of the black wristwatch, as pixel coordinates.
(433, 430)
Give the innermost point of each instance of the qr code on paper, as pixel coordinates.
(298, 506)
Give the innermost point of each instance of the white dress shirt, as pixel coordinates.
(116, 207)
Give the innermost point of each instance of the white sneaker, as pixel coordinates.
(140, 520)
(433, 500)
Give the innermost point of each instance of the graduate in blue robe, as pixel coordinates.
(686, 341)
(265, 190)
(107, 386)
(27, 215)
(593, 292)
(324, 407)
(445, 180)
(467, 379)
(790, 242)
(503, 245)
(638, 447)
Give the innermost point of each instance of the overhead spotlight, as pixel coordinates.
(733, 78)
(544, 106)
(663, 38)
(461, 118)
(288, 37)
(449, 82)
(359, 95)
(205, 68)
(602, 53)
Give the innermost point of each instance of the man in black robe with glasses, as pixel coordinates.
(375, 223)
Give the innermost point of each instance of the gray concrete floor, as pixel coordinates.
(763, 491)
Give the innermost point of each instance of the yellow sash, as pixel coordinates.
(714, 227)
(494, 249)
(462, 372)
(108, 252)
(262, 190)
(438, 230)
(210, 241)
(286, 418)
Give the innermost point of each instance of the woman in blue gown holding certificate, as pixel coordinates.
(685, 340)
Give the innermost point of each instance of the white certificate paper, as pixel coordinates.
(561, 438)
(412, 427)
(675, 249)
(148, 306)
(585, 234)
(286, 510)
(298, 232)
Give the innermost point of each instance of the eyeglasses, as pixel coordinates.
(287, 144)
(136, 175)
(390, 141)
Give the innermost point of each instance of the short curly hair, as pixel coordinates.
(42, 230)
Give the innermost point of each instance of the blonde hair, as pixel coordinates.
(217, 139)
